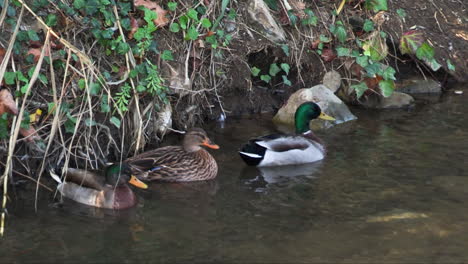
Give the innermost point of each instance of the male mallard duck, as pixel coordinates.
(281, 149)
(104, 189)
(189, 162)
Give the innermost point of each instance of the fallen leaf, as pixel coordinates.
(7, 104)
(2, 54)
(133, 26)
(29, 134)
(373, 83)
(36, 52)
(328, 55)
(162, 20)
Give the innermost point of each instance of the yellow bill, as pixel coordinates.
(326, 117)
(136, 182)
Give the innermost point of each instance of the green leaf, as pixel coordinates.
(368, 25)
(90, 122)
(51, 20)
(389, 73)
(285, 67)
(79, 4)
(105, 108)
(376, 5)
(174, 27)
(450, 66)
(255, 71)
(206, 23)
(386, 87)
(360, 88)
(285, 49)
(363, 61)
(425, 51)
(266, 78)
(286, 80)
(372, 69)
(324, 39)
(183, 21)
(21, 77)
(94, 88)
(341, 51)
(192, 33)
(193, 14)
(167, 55)
(340, 33)
(81, 84)
(4, 126)
(172, 6)
(401, 12)
(274, 69)
(115, 121)
(410, 41)
(33, 35)
(10, 77)
(375, 48)
(43, 78)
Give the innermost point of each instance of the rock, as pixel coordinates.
(163, 120)
(396, 100)
(332, 80)
(324, 97)
(259, 12)
(420, 86)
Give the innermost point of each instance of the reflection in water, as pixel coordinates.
(392, 189)
(260, 178)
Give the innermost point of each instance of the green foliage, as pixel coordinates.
(265, 77)
(167, 55)
(274, 69)
(401, 13)
(115, 121)
(310, 18)
(368, 25)
(4, 126)
(172, 6)
(51, 20)
(285, 67)
(255, 71)
(450, 66)
(410, 41)
(339, 31)
(360, 88)
(285, 49)
(386, 87)
(376, 5)
(122, 98)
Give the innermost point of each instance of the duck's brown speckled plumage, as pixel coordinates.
(184, 163)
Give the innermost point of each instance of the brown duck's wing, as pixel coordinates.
(155, 159)
(86, 178)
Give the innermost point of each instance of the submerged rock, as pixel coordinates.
(332, 80)
(396, 100)
(324, 97)
(420, 86)
(260, 13)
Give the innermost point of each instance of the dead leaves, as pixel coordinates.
(7, 104)
(161, 19)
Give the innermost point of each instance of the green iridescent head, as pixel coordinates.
(307, 112)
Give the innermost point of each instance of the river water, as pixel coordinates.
(393, 188)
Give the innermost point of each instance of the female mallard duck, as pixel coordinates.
(281, 149)
(104, 189)
(189, 162)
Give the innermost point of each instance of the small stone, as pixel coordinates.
(458, 92)
(397, 100)
(332, 80)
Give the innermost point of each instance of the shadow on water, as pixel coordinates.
(393, 188)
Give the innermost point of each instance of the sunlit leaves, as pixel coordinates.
(360, 88)
(386, 87)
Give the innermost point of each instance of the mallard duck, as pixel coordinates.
(283, 149)
(104, 189)
(189, 162)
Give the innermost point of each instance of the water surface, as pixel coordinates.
(393, 188)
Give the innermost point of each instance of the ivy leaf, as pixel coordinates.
(340, 32)
(265, 77)
(376, 5)
(115, 121)
(368, 25)
(79, 4)
(183, 21)
(389, 73)
(94, 88)
(167, 55)
(363, 61)
(285, 67)
(274, 69)
(285, 49)
(375, 47)
(286, 80)
(206, 23)
(425, 51)
(450, 66)
(33, 35)
(401, 12)
(9, 78)
(172, 6)
(410, 41)
(193, 14)
(90, 122)
(255, 71)
(360, 88)
(386, 87)
(51, 20)
(81, 84)
(372, 69)
(192, 33)
(174, 27)
(341, 51)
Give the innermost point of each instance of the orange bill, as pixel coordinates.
(210, 144)
(136, 182)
